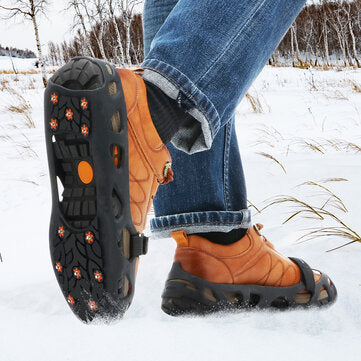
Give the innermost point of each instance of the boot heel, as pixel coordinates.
(188, 294)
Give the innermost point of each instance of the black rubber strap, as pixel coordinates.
(139, 245)
(306, 273)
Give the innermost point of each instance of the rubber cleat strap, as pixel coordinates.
(139, 245)
(306, 273)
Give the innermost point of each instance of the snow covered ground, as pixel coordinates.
(302, 111)
(9, 63)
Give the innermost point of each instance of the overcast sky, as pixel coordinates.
(20, 34)
(56, 27)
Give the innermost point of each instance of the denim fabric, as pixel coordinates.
(208, 193)
(206, 54)
(207, 61)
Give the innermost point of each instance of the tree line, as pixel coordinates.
(324, 34)
(16, 53)
(105, 29)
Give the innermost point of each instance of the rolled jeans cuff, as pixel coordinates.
(198, 135)
(200, 222)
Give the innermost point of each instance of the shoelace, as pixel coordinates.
(259, 227)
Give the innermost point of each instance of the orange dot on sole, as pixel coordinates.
(85, 172)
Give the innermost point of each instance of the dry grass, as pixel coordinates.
(320, 213)
(268, 136)
(323, 145)
(337, 94)
(24, 110)
(336, 67)
(25, 148)
(311, 144)
(335, 144)
(22, 145)
(250, 205)
(343, 231)
(32, 84)
(5, 137)
(332, 200)
(255, 103)
(327, 180)
(24, 72)
(20, 106)
(269, 156)
(3, 84)
(28, 181)
(355, 86)
(343, 145)
(353, 147)
(311, 81)
(304, 65)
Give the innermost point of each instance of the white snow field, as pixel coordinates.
(310, 122)
(9, 63)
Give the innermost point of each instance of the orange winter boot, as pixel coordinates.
(208, 277)
(106, 161)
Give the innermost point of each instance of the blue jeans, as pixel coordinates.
(206, 54)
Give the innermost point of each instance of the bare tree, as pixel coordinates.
(325, 31)
(126, 8)
(91, 16)
(308, 37)
(29, 10)
(292, 47)
(79, 18)
(12, 61)
(347, 10)
(298, 54)
(53, 53)
(136, 38)
(110, 29)
(120, 48)
(338, 23)
(98, 7)
(65, 51)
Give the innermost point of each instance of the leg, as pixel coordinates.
(207, 186)
(207, 54)
(217, 201)
(154, 15)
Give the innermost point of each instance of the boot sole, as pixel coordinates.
(186, 294)
(91, 226)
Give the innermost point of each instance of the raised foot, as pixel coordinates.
(93, 243)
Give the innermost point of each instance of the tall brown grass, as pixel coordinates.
(255, 103)
(19, 105)
(269, 156)
(319, 213)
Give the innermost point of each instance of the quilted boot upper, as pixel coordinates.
(251, 260)
(149, 159)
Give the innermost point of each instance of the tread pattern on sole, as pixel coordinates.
(77, 256)
(96, 276)
(185, 293)
(78, 263)
(78, 74)
(78, 199)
